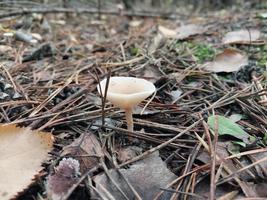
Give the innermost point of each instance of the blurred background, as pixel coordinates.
(177, 6)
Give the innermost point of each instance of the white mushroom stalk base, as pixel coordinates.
(129, 118)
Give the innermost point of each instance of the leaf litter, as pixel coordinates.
(241, 37)
(230, 60)
(51, 85)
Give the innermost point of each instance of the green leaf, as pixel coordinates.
(228, 127)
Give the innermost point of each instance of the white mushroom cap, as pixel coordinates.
(126, 92)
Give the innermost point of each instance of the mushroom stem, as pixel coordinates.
(129, 118)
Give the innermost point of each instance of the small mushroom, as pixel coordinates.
(126, 92)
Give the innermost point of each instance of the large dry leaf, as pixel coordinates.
(146, 176)
(229, 60)
(22, 152)
(86, 149)
(241, 36)
(182, 32)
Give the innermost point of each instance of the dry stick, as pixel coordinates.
(185, 193)
(188, 187)
(112, 180)
(103, 97)
(115, 163)
(106, 192)
(208, 165)
(176, 193)
(141, 135)
(179, 178)
(55, 116)
(149, 101)
(74, 186)
(227, 169)
(19, 102)
(188, 167)
(47, 115)
(137, 196)
(90, 187)
(48, 99)
(60, 105)
(213, 160)
(127, 62)
(25, 11)
(229, 177)
(146, 153)
(10, 77)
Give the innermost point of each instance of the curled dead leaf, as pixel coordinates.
(230, 60)
(241, 36)
(21, 155)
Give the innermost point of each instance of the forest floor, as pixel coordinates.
(203, 135)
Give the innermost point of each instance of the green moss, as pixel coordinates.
(134, 51)
(200, 51)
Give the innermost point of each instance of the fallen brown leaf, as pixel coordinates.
(241, 36)
(86, 149)
(230, 60)
(21, 155)
(147, 177)
(182, 32)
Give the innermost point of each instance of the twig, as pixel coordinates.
(148, 152)
(213, 161)
(74, 186)
(229, 177)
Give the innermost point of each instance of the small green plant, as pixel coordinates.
(134, 51)
(200, 51)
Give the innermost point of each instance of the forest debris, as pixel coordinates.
(86, 149)
(260, 189)
(21, 155)
(241, 36)
(175, 94)
(147, 177)
(155, 43)
(25, 37)
(128, 153)
(66, 175)
(230, 60)
(229, 196)
(135, 23)
(202, 189)
(166, 32)
(263, 165)
(45, 50)
(5, 48)
(182, 32)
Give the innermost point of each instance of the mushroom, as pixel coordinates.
(125, 93)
